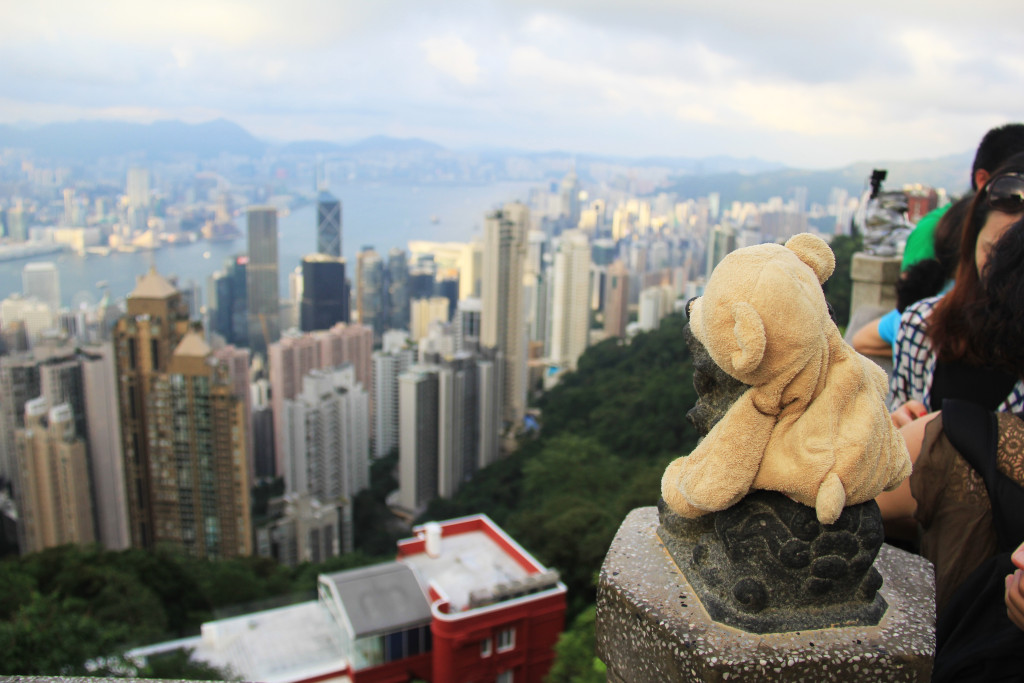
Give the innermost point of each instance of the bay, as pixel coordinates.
(377, 214)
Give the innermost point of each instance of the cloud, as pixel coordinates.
(453, 56)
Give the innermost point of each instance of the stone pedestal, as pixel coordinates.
(874, 281)
(651, 626)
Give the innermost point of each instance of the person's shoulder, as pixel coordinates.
(921, 308)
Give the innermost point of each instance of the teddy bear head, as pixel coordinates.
(763, 313)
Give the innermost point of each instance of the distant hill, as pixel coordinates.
(89, 140)
(950, 172)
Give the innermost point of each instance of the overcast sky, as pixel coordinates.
(810, 83)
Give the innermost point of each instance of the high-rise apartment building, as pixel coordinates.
(295, 355)
(423, 312)
(458, 430)
(502, 314)
(184, 430)
(328, 224)
(198, 456)
(418, 446)
(616, 300)
(466, 326)
(41, 280)
(570, 313)
(54, 497)
(370, 290)
(325, 296)
(262, 279)
(388, 365)
(327, 437)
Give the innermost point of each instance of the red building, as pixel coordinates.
(462, 602)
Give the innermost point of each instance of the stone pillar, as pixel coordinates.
(874, 281)
(652, 627)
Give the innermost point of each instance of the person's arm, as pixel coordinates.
(898, 506)
(869, 342)
(1015, 589)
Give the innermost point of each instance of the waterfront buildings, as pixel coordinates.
(40, 280)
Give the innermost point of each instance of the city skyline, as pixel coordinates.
(804, 85)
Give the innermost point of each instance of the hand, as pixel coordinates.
(1014, 595)
(908, 412)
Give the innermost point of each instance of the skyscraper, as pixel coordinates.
(502, 315)
(458, 431)
(325, 297)
(570, 314)
(261, 279)
(398, 289)
(616, 300)
(370, 290)
(328, 224)
(41, 280)
(388, 365)
(230, 315)
(569, 196)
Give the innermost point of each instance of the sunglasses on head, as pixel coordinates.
(1006, 193)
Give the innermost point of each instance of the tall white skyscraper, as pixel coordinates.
(502, 315)
(137, 188)
(570, 314)
(40, 279)
(417, 452)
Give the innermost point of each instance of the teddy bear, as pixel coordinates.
(814, 423)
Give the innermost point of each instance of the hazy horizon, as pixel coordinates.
(807, 85)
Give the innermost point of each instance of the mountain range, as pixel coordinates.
(734, 178)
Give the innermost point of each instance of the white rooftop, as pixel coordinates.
(276, 646)
(468, 562)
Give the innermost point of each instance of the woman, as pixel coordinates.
(967, 489)
(941, 351)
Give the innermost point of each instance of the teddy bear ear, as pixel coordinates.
(815, 252)
(750, 337)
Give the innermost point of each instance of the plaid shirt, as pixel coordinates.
(914, 362)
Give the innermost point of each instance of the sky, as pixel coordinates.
(809, 83)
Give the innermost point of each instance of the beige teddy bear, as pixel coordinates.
(814, 424)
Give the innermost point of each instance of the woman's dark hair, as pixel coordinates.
(926, 278)
(1001, 317)
(955, 336)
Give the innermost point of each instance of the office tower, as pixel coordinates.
(423, 312)
(417, 449)
(325, 295)
(398, 289)
(722, 240)
(458, 431)
(296, 354)
(447, 286)
(264, 448)
(197, 433)
(137, 188)
(230, 315)
(569, 199)
(327, 436)
(328, 224)
(261, 279)
(470, 264)
(502, 315)
(54, 500)
(616, 300)
(41, 280)
(466, 326)
(370, 290)
(388, 365)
